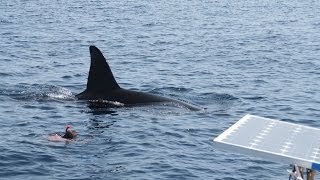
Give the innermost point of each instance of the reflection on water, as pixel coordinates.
(100, 124)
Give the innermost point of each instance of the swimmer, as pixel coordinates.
(68, 136)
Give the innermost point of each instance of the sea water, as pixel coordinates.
(229, 57)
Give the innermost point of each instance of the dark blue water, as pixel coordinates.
(230, 57)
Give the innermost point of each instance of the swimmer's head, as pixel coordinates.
(68, 127)
(70, 134)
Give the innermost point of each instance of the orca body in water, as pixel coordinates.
(102, 85)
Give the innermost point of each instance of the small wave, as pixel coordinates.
(38, 92)
(171, 90)
(5, 21)
(67, 77)
(254, 97)
(217, 102)
(217, 97)
(61, 93)
(5, 74)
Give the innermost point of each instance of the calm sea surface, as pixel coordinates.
(231, 57)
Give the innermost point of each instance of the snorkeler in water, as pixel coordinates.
(68, 136)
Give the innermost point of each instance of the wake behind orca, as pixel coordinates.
(102, 85)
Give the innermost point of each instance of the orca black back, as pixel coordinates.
(102, 85)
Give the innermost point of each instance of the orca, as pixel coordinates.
(101, 85)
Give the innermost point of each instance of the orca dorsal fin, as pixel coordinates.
(100, 75)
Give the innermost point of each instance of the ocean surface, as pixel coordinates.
(229, 57)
